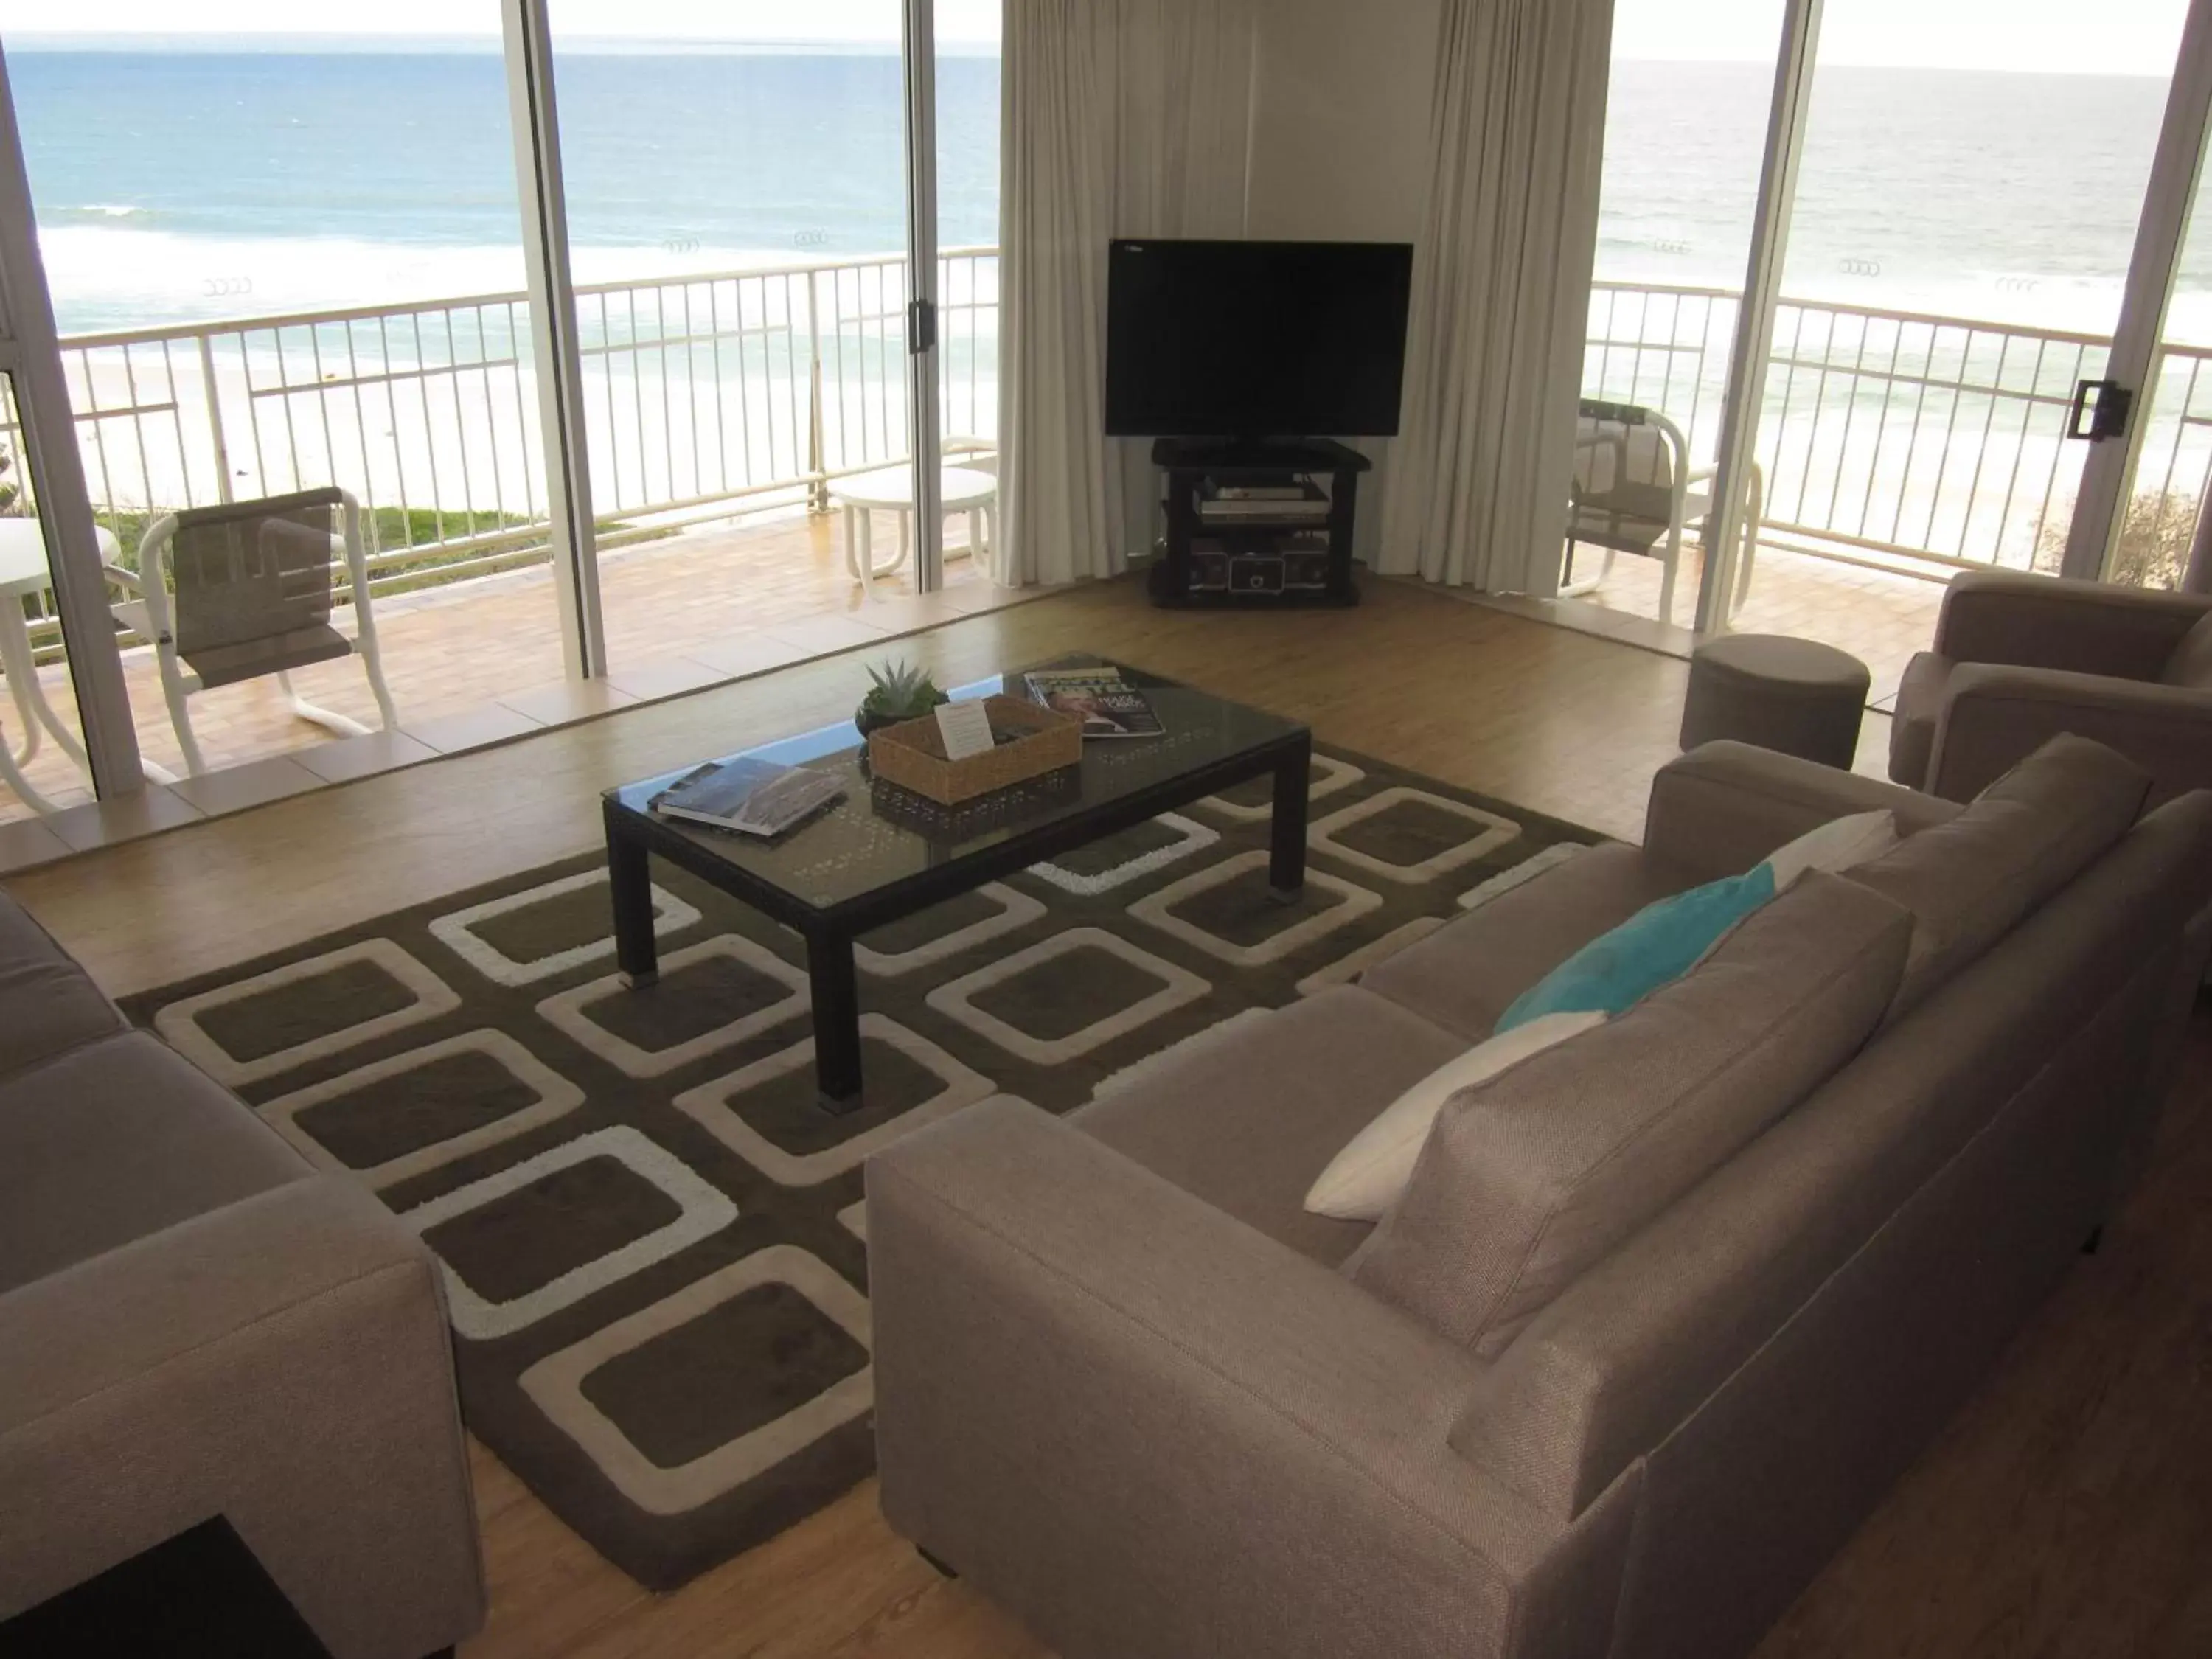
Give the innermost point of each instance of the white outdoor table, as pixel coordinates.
(24, 573)
(963, 490)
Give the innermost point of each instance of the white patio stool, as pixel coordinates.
(961, 490)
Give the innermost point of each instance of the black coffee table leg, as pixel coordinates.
(1287, 859)
(836, 1021)
(629, 876)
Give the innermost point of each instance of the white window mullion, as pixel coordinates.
(2100, 506)
(555, 350)
(1754, 323)
(30, 351)
(923, 354)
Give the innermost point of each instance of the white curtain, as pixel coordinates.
(1120, 118)
(1477, 490)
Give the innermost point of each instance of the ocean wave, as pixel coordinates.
(109, 276)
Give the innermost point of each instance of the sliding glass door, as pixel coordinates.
(691, 362)
(2163, 522)
(279, 264)
(738, 183)
(1952, 247)
(1686, 125)
(1966, 210)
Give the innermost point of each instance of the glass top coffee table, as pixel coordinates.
(883, 853)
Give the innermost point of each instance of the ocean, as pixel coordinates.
(179, 186)
(2006, 198)
(183, 185)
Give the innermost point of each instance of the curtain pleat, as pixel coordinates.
(1120, 118)
(1477, 487)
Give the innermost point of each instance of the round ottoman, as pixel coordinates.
(1797, 696)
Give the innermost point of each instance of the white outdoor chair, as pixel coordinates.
(240, 591)
(1633, 493)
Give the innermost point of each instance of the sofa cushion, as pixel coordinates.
(47, 1003)
(1664, 941)
(2191, 664)
(1969, 881)
(116, 1140)
(1657, 945)
(1919, 709)
(1466, 974)
(1247, 1118)
(1529, 1179)
(1365, 1179)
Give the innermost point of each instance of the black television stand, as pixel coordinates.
(1221, 550)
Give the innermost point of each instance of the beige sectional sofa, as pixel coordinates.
(194, 1323)
(1135, 1393)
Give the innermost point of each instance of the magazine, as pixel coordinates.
(750, 797)
(1108, 706)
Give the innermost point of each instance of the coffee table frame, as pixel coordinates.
(634, 837)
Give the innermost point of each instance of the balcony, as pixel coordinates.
(1896, 448)
(722, 410)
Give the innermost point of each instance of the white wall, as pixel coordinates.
(1341, 119)
(1341, 140)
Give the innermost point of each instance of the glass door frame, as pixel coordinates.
(31, 354)
(557, 346)
(2115, 442)
(925, 413)
(2100, 506)
(1753, 347)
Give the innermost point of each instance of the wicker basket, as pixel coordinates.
(912, 753)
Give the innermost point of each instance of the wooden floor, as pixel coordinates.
(2066, 1512)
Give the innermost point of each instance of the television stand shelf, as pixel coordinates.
(1284, 557)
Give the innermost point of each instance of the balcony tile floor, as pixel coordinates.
(1882, 618)
(480, 662)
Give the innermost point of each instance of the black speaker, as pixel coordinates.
(1209, 573)
(1256, 574)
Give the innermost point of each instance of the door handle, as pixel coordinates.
(920, 327)
(2107, 418)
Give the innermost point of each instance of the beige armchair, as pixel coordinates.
(2020, 659)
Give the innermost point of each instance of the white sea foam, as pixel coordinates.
(106, 277)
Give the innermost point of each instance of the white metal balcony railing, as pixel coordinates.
(704, 396)
(1912, 441)
(1907, 441)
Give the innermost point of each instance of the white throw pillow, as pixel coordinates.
(1363, 1181)
(1843, 844)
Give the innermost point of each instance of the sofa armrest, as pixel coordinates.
(1723, 807)
(282, 1361)
(1144, 1427)
(2042, 622)
(1995, 716)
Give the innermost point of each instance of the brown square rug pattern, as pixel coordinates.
(653, 1242)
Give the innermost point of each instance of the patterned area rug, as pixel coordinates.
(654, 1242)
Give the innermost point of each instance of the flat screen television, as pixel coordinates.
(1256, 339)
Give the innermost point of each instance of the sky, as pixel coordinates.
(2106, 37)
(2080, 37)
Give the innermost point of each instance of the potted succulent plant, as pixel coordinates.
(901, 692)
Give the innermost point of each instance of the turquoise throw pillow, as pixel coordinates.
(1659, 943)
